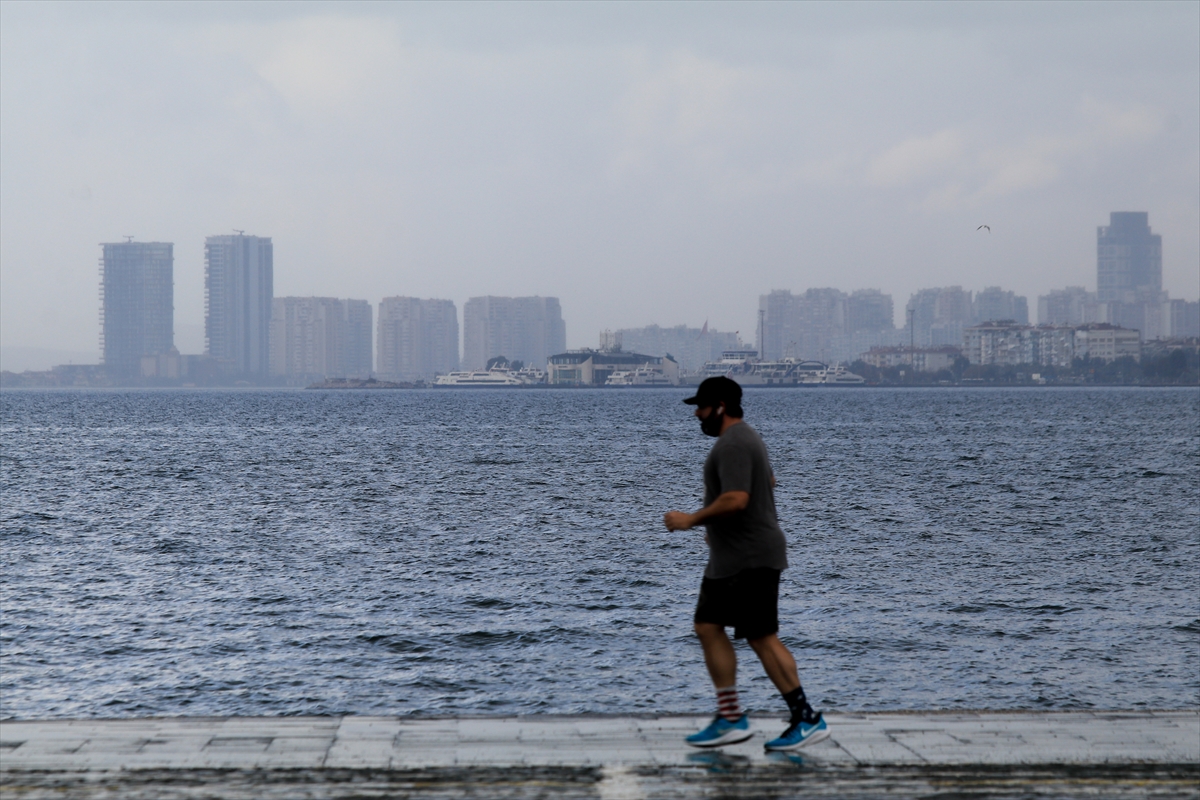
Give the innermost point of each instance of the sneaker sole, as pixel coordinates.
(816, 737)
(733, 737)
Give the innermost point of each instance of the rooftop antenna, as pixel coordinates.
(239, 233)
(128, 237)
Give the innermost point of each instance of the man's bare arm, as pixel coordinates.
(727, 503)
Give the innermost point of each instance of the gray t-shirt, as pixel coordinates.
(751, 537)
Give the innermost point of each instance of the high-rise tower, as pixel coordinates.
(320, 337)
(417, 338)
(528, 329)
(1128, 259)
(137, 315)
(238, 287)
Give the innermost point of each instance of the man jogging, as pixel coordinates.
(746, 553)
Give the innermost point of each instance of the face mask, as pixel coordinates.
(711, 424)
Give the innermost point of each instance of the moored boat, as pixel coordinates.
(748, 370)
(497, 377)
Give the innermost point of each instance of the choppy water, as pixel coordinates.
(259, 552)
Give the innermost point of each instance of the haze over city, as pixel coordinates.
(623, 158)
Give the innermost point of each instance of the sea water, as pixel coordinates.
(502, 551)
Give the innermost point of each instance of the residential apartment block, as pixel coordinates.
(417, 339)
(1179, 319)
(938, 316)
(137, 311)
(824, 324)
(1005, 344)
(528, 329)
(994, 304)
(1107, 342)
(314, 338)
(238, 289)
(1069, 306)
(921, 359)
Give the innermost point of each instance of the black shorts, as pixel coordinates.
(747, 601)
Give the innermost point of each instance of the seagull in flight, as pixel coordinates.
(981, 227)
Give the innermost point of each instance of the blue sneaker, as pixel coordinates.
(799, 734)
(721, 731)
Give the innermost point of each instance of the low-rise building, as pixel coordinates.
(1107, 342)
(1157, 348)
(593, 367)
(1010, 344)
(921, 359)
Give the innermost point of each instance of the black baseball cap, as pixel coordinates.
(714, 391)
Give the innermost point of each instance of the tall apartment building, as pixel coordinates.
(238, 288)
(801, 326)
(1180, 319)
(1067, 306)
(528, 329)
(938, 316)
(358, 354)
(417, 338)
(690, 347)
(824, 324)
(820, 315)
(994, 304)
(320, 337)
(869, 310)
(137, 312)
(870, 322)
(1161, 318)
(1128, 259)
(776, 323)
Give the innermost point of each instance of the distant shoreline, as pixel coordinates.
(6, 387)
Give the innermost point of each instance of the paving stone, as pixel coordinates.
(857, 740)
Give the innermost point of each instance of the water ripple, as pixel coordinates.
(501, 552)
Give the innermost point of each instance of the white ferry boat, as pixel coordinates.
(748, 370)
(641, 376)
(495, 377)
(840, 376)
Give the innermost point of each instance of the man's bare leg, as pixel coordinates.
(776, 660)
(730, 725)
(781, 668)
(719, 656)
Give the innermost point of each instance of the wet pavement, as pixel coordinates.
(1013, 754)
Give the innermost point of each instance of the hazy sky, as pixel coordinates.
(643, 162)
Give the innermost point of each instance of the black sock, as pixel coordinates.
(801, 710)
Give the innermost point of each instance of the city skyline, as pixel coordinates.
(194, 338)
(418, 338)
(579, 150)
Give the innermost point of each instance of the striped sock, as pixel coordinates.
(728, 705)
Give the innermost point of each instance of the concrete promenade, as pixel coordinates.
(961, 754)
